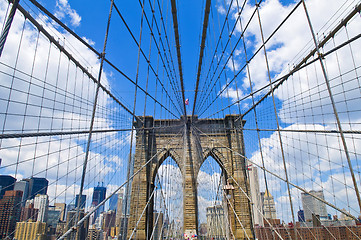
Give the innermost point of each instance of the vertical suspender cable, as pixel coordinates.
(276, 118)
(333, 105)
(203, 42)
(93, 114)
(176, 36)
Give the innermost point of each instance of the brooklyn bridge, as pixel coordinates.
(166, 119)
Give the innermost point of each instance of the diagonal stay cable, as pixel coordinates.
(145, 208)
(215, 51)
(40, 28)
(170, 76)
(252, 57)
(81, 221)
(144, 55)
(250, 200)
(106, 199)
(277, 176)
(304, 62)
(176, 35)
(243, 191)
(280, 80)
(284, 180)
(166, 36)
(62, 49)
(203, 41)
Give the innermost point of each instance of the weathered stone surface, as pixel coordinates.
(189, 142)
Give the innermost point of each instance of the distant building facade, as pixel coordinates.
(30, 230)
(9, 212)
(269, 207)
(53, 216)
(61, 207)
(29, 213)
(71, 221)
(41, 202)
(24, 187)
(257, 207)
(113, 200)
(215, 222)
(301, 215)
(37, 186)
(312, 206)
(98, 196)
(82, 201)
(6, 184)
(93, 234)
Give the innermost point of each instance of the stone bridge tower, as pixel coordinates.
(189, 141)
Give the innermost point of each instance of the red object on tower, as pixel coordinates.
(187, 101)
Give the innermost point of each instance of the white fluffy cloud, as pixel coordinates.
(314, 160)
(47, 92)
(63, 9)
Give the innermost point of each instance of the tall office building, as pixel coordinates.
(269, 207)
(53, 216)
(37, 186)
(30, 230)
(82, 201)
(113, 200)
(61, 207)
(313, 206)
(301, 216)
(24, 187)
(119, 214)
(29, 213)
(215, 222)
(82, 231)
(98, 197)
(41, 202)
(257, 209)
(108, 221)
(6, 184)
(70, 207)
(94, 234)
(9, 213)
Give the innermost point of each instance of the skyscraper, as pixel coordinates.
(37, 186)
(269, 207)
(215, 222)
(98, 197)
(41, 202)
(313, 206)
(53, 216)
(301, 216)
(255, 196)
(108, 221)
(82, 230)
(24, 187)
(61, 207)
(6, 184)
(30, 230)
(119, 213)
(29, 213)
(9, 213)
(82, 201)
(113, 200)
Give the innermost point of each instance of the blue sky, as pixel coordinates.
(122, 50)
